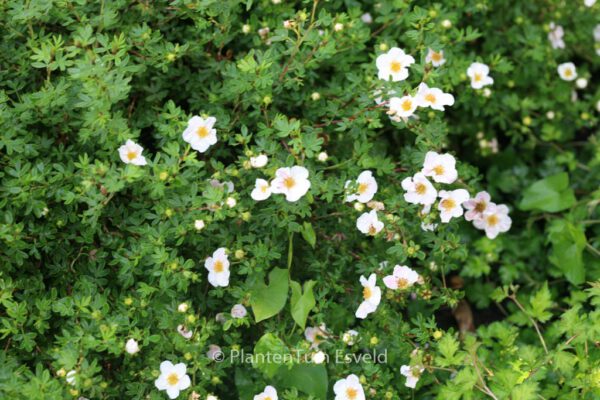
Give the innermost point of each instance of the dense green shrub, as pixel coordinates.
(104, 263)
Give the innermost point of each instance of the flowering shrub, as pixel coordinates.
(299, 200)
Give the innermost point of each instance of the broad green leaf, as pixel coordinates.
(568, 242)
(307, 378)
(550, 194)
(302, 302)
(267, 301)
(269, 354)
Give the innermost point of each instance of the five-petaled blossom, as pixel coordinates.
(567, 71)
(402, 107)
(371, 296)
(419, 190)
(402, 278)
(316, 335)
(441, 167)
(132, 346)
(436, 58)
(349, 389)
(262, 190)
(200, 133)
(131, 153)
(479, 74)
(218, 268)
(369, 224)
(366, 187)
(394, 64)
(172, 378)
(495, 220)
(556, 36)
(259, 161)
(268, 394)
(450, 203)
(477, 206)
(412, 375)
(292, 182)
(433, 97)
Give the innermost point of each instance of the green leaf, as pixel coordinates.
(307, 378)
(448, 347)
(302, 302)
(267, 301)
(308, 233)
(540, 302)
(568, 242)
(269, 354)
(551, 194)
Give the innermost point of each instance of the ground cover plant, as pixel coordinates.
(299, 200)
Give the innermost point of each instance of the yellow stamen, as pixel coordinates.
(131, 155)
(351, 393)
(435, 56)
(420, 188)
(202, 132)
(493, 220)
(480, 207)
(289, 182)
(402, 283)
(218, 267)
(438, 169)
(448, 204)
(372, 230)
(568, 73)
(395, 66)
(430, 98)
(362, 188)
(478, 77)
(367, 293)
(407, 105)
(173, 379)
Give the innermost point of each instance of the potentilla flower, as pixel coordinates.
(185, 332)
(412, 374)
(589, 3)
(349, 337)
(419, 190)
(71, 377)
(402, 107)
(366, 18)
(436, 58)
(131, 153)
(292, 182)
(402, 278)
(238, 311)
(567, 71)
(581, 83)
(394, 64)
(433, 97)
(259, 161)
(200, 133)
(478, 72)
(214, 352)
(268, 394)
(597, 33)
(495, 220)
(316, 335)
(199, 224)
(450, 203)
(173, 379)
(218, 268)
(441, 167)
(366, 187)
(322, 156)
(183, 307)
(477, 206)
(556, 36)
(318, 357)
(369, 224)
(261, 191)
(371, 296)
(349, 389)
(132, 346)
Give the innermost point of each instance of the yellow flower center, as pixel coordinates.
(493, 220)
(448, 204)
(435, 56)
(264, 188)
(372, 230)
(478, 77)
(395, 66)
(131, 155)
(362, 188)
(202, 132)
(430, 98)
(402, 283)
(568, 72)
(438, 169)
(173, 379)
(289, 182)
(267, 398)
(406, 105)
(218, 267)
(480, 207)
(420, 188)
(351, 393)
(367, 293)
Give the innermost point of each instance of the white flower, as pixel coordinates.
(214, 352)
(598, 106)
(322, 156)
(246, 28)
(486, 92)
(238, 311)
(366, 187)
(218, 268)
(428, 227)
(261, 191)
(259, 161)
(368, 223)
(287, 24)
(402, 107)
(349, 337)
(349, 389)
(441, 167)
(450, 203)
(319, 357)
(200, 133)
(231, 202)
(131, 153)
(402, 278)
(185, 332)
(315, 96)
(394, 64)
(581, 83)
(419, 190)
(447, 23)
(433, 97)
(589, 3)
(478, 73)
(199, 224)
(268, 394)
(263, 32)
(316, 335)
(212, 397)
(172, 379)
(436, 58)
(366, 18)
(71, 377)
(371, 296)
(567, 71)
(495, 220)
(132, 346)
(597, 33)
(412, 375)
(183, 307)
(292, 182)
(556, 36)
(477, 206)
